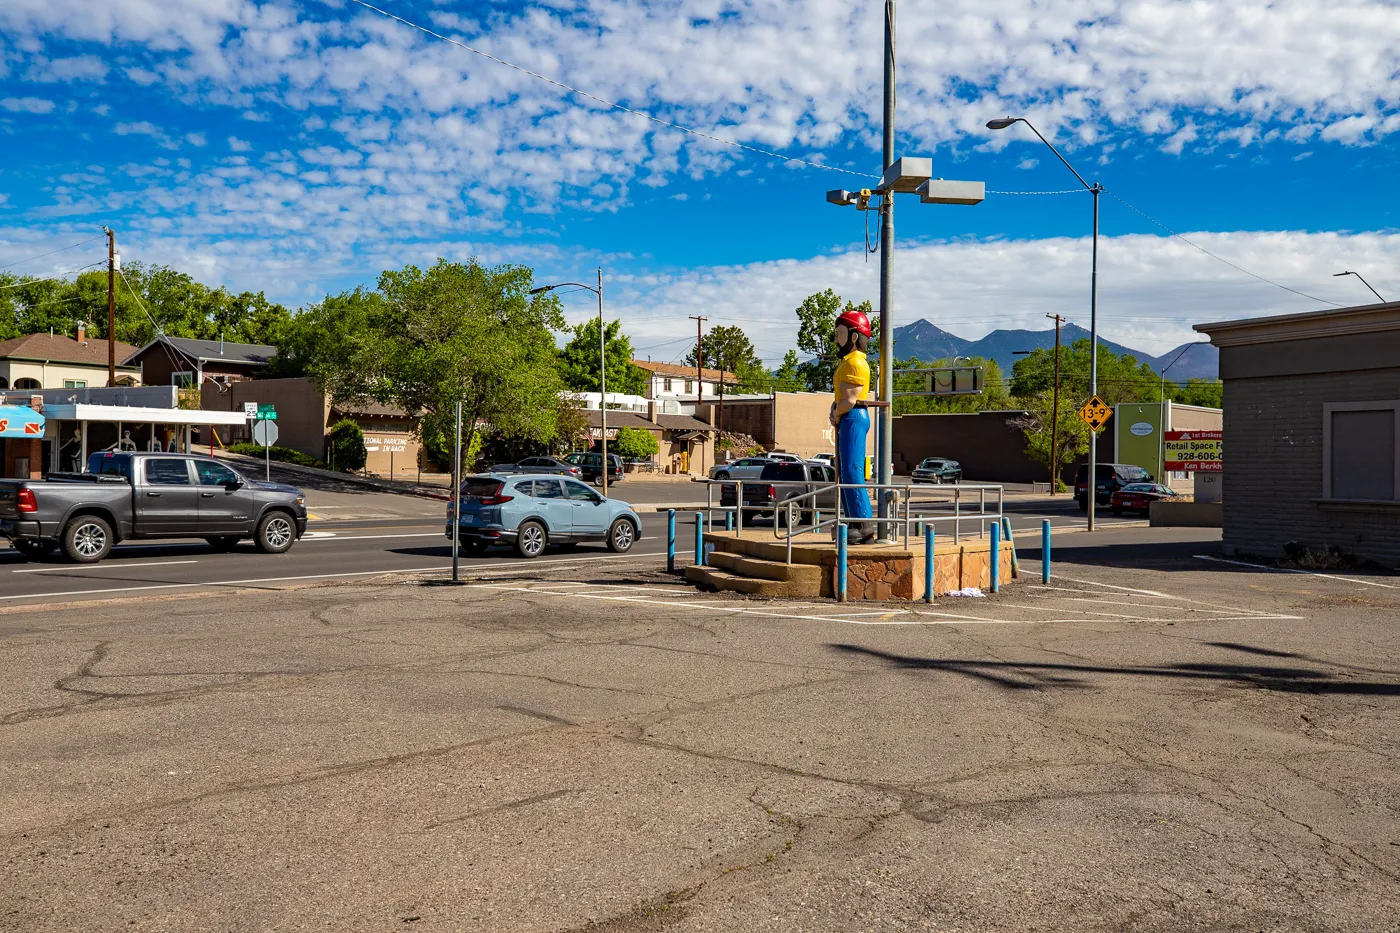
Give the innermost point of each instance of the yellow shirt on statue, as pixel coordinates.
(852, 370)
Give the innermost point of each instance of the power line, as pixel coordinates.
(1222, 259)
(52, 252)
(54, 278)
(609, 103)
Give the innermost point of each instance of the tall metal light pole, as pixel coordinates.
(885, 455)
(1094, 189)
(602, 364)
(111, 305)
(1363, 282)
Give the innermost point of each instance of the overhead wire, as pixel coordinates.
(176, 365)
(53, 252)
(54, 278)
(608, 103)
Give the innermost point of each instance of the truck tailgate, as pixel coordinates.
(9, 497)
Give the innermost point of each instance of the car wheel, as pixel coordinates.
(1117, 511)
(621, 536)
(222, 542)
(276, 533)
(721, 476)
(530, 539)
(938, 481)
(32, 549)
(1083, 504)
(87, 539)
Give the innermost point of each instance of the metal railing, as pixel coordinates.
(908, 507)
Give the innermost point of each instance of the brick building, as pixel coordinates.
(1312, 417)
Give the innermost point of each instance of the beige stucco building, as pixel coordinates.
(57, 361)
(792, 422)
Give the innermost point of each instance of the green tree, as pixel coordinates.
(816, 322)
(634, 444)
(1208, 393)
(1121, 378)
(994, 396)
(578, 361)
(1070, 434)
(424, 339)
(347, 444)
(788, 376)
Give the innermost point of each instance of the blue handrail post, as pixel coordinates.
(670, 540)
(728, 521)
(928, 563)
(699, 539)
(996, 557)
(1011, 541)
(841, 563)
(1045, 551)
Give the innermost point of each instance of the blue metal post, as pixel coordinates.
(1011, 542)
(1045, 551)
(841, 563)
(928, 563)
(996, 557)
(670, 540)
(699, 539)
(728, 521)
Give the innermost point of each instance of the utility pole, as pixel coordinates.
(699, 360)
(885, 452)
(1055, 412)
(111, 306)
(603, 381)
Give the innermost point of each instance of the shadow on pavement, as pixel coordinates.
(1013, 675)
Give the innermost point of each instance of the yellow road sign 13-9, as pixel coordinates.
(1095, 413)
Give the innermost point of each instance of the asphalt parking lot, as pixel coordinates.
(1151, 743)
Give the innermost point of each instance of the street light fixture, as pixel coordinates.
(1363, 282)
(1002, 123)
(602, 364)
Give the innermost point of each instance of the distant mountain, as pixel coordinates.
(926, 341)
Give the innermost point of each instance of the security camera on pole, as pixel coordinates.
(901, 176)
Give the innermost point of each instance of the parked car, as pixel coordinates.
(780, 482)
(743, 468)
(938, 470)
(1139, 497)
(131, 496)
(591, 465)
(532, 512)
(1111, 477)
(539, 465)
(827, 457)
(782, 457)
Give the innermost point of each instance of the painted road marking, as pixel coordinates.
(113, 566)
(1310, 573)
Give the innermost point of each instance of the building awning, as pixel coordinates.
(689, 436)
(18, 421)
(140, 415)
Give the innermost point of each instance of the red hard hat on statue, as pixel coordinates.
(855, 320)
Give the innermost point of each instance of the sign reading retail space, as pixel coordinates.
(1095, 414)
(1195, 451)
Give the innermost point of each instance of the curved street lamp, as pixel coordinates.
(1002, 123)
(602, 363)
(1363, 282)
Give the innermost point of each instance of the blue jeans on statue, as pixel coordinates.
(850, 459)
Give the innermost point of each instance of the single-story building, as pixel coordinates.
(988, 445)
(792, 422)
(1312, 415)
(685, 443)
(190, 363)
(57, 361)
(305, 416)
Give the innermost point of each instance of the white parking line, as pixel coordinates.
(126, 565)
(1310, 573)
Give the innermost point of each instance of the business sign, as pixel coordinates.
(393, 445)
(1191, 451)
(597, 433)
(17, 421)
(1142, 429)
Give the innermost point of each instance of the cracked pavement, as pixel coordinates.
(621, 754)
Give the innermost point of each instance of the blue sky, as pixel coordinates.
(302, 147)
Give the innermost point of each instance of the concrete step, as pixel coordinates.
(734, 583)
(766, 569)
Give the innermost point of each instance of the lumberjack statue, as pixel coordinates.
(851, 418)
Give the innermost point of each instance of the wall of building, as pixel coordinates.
(801, 424)
(753, 417)
(302, 412)
(1274, 465)
(391, 449)
(989, 447)
(53, 375)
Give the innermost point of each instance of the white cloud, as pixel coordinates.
(239, 145)
(26, 105)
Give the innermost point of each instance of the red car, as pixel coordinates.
(1139, 497)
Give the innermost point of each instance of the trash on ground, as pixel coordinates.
(967, 591)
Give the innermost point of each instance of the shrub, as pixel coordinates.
(347, 445)
(634, 444)
(280, 454)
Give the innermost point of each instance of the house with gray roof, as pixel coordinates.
(185, 361)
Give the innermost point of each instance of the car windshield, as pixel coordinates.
(577, 459)
(1139, 487)
(480, 487)
(930, 464)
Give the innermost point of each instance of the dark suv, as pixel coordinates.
(780, 482)
(592, 466)
(1111, 478)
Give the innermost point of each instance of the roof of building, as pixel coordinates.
(59, 348)
(369, 408)
(221, 351)
(1337, 322)
(684, 372)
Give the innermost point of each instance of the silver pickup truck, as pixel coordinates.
(127, 496)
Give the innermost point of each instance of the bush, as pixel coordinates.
(280, 454)
(634, 444)
(347, 445)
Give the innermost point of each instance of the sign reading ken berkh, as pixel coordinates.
(1200, 451)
